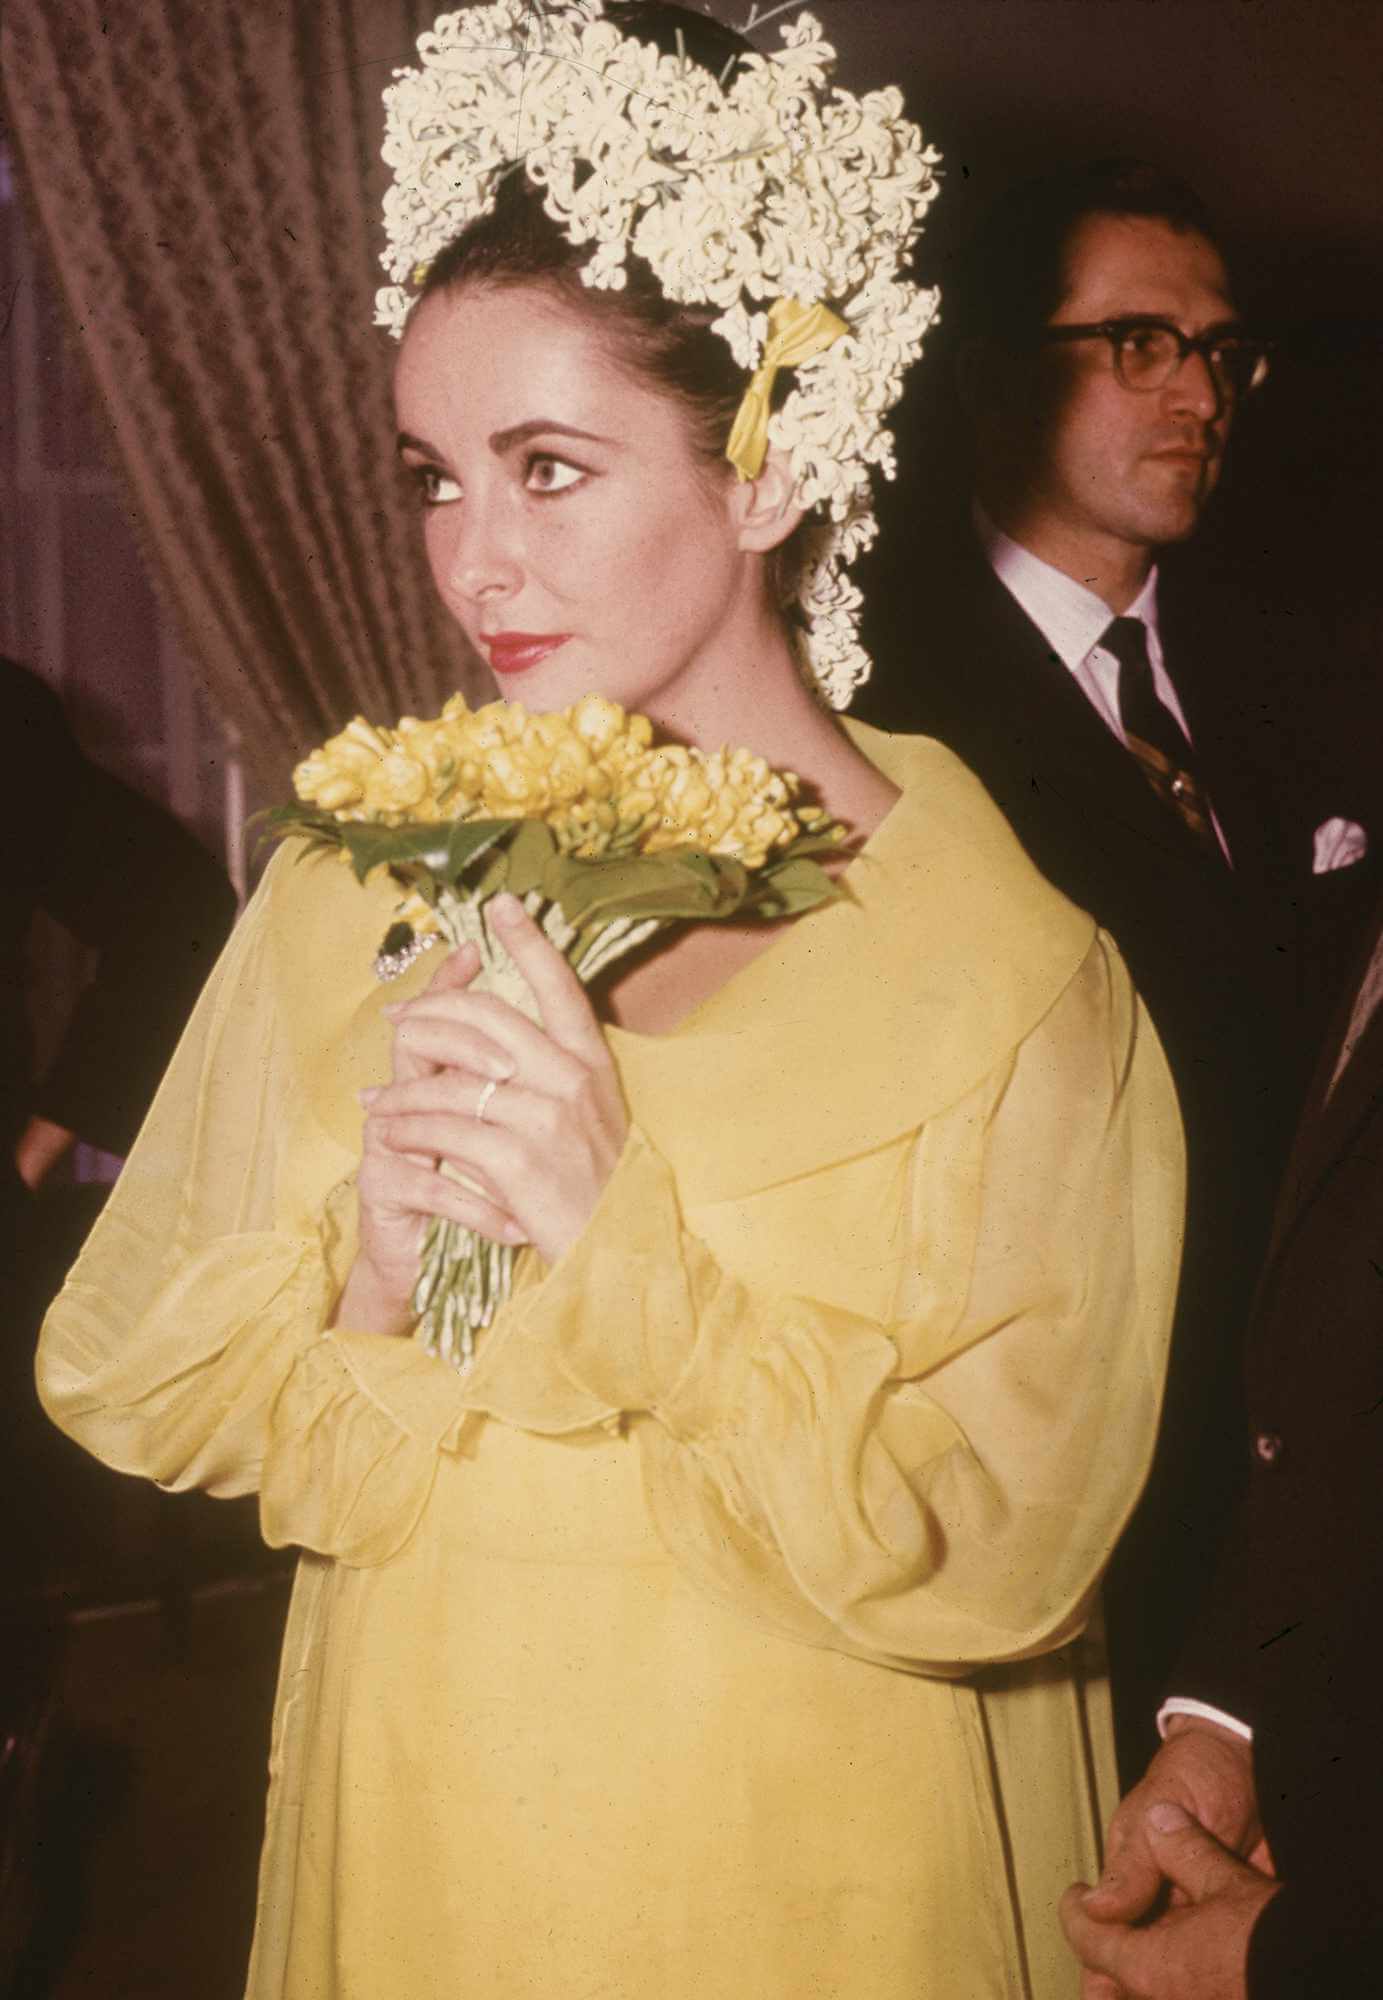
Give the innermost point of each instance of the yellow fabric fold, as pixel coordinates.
(945, 951)
(856, 1364)
(348, 1473)
(796, 333)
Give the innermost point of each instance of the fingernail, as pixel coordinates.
(367, 1097)
(1167, 1817)
(513, 1234)
(506, 907)
(392, 1012)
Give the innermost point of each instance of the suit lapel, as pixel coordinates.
(1044, 698)
(1223, 771)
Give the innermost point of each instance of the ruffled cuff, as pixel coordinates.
(635, 1318)
(355, 1434)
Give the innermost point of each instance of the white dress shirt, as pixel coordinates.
(1072, 619)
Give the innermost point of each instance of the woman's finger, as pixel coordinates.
(444, 1032)
(387, 1149)
(457, 969)
(563, 1006)
(467, 1047)
(453, 975)
(459, 1093)
(401, 1184)
(476, 1148)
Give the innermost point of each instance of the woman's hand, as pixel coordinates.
(531, 1115)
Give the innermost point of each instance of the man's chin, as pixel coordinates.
(1173, 519)
(1172, 513)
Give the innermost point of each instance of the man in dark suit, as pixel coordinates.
(128, 881)
(1262, 1807)
(153, 908)
(1102, 364)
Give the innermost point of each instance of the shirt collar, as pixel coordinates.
(1070, 617)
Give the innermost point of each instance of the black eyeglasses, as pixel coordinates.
(1148, 352)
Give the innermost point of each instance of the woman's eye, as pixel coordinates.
(435, 488)
(552, 475)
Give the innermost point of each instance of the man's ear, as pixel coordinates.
(767, 508)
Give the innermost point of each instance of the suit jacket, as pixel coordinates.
(1213, 952)
(1293, 1634)
(128, 881)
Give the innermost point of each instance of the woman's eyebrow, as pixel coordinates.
(504, 441)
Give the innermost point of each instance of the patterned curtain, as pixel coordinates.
(206, 181)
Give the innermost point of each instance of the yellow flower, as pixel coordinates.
(513, 785)
(591, 771)
(335, 776)
(398, 785)
(438, 747)
(586, 828)
(598, 722)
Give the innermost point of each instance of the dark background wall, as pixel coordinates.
(1271, 106)
(1272, 109)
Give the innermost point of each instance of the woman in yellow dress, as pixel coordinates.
(721, 1631)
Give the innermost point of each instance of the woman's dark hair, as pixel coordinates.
(667, 345)
(1011, 278)
(518, 243)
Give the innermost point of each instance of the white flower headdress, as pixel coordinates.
(763, 193)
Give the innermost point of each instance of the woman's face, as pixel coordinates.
(571, 529)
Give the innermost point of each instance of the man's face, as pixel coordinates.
(1108, 464)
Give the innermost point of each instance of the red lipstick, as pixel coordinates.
(516, 652)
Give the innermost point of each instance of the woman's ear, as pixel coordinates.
(767, 509)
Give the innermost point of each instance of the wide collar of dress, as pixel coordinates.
(859, 1022)
(869, 1016)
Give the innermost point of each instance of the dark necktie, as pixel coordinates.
(1154, 736)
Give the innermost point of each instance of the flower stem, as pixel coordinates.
(463, 1278)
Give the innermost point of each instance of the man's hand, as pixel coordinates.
(1197, 1950)
(1208, 1771)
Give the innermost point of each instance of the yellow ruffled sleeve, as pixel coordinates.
(934, 1479)
(941, 1487)
(190, 1342)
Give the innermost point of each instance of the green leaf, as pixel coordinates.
(793, 888)
(683, 883)
(316, 829)
(529, 855)
(445, 848)
(810, 844)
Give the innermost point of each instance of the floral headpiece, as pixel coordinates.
(782, 199)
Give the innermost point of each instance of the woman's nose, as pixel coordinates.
(480, 563)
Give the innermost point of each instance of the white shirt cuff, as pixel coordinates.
(1183, 1705)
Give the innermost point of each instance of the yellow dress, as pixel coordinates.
(719, 1637)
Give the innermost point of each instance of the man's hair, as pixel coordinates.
(1011, 278)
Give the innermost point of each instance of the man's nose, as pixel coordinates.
(1196, 390)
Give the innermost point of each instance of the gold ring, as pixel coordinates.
(487, 1092)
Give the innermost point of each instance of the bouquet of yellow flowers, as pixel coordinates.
(606, 838)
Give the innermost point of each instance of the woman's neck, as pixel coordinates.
(752, 693)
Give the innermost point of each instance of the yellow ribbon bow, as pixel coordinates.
(796, 333)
